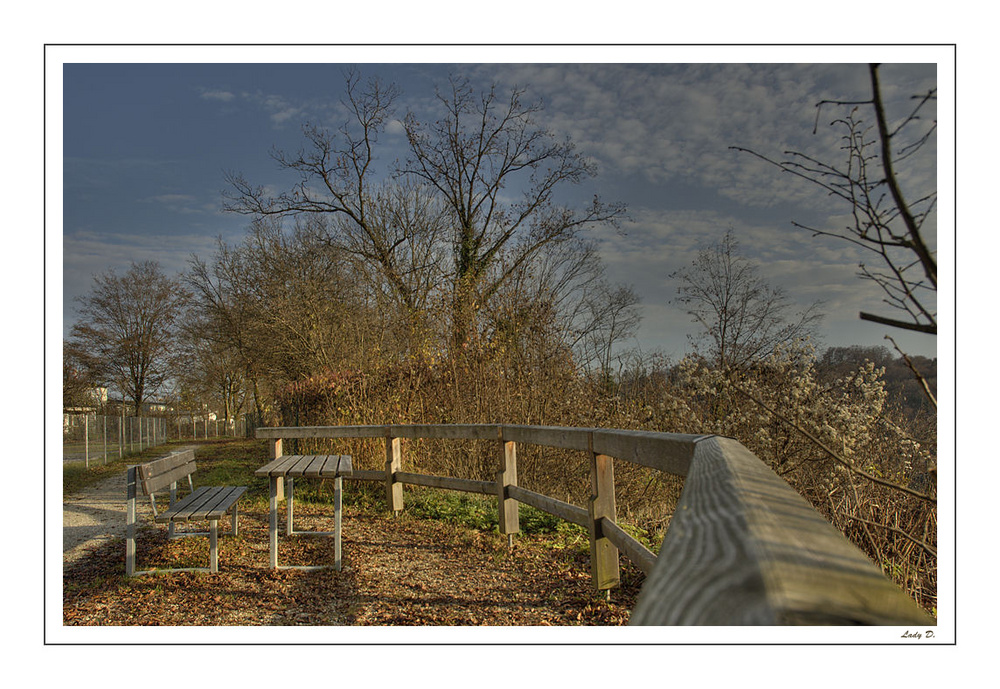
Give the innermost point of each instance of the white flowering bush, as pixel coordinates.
(839, 442)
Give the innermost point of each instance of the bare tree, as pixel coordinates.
(285, 302)
(742, 317)
(224, 313)
(482, 151)
(127, 330)
(611, 317)
(886, 221)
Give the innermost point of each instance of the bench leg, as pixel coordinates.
(213, 546)
(130, 490)
(236, 530)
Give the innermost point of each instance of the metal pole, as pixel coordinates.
(86, 440)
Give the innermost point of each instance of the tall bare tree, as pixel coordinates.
(127, 329)
(887, 221)
(391, 227)
(224, 313)
(742, 317)
(482, 151)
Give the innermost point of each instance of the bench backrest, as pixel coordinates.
(160, 473)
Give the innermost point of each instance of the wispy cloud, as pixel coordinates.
(217, 94)
(678, 122)
(177, 203)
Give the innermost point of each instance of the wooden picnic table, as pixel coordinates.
(290, 467)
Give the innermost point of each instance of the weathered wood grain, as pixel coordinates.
(157, 475)
(209, 503)
(641, 556)
(550, 436)
(448, 483)
(508, 513)
(668, 452)
(393, 463)
(558, 508)
(366, 475)
(744, 548)
(604, 568)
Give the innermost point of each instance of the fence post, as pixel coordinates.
(275, 453)
(393, 463)
(506, 477)
(603, 553)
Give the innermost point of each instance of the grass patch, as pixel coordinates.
(233, 462)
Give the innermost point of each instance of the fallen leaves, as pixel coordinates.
(397, 571)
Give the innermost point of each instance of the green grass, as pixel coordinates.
(233, 462)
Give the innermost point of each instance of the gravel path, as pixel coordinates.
(95, 516)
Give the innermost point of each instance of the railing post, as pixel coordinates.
(508, 507)
(393, 463)
(275, 453)
(603, 553)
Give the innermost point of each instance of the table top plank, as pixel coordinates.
(344, 465)
(315, 466)
(277, 467)
(307, 466)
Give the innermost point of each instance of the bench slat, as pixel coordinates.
(159, 474)
(184, 505)
(205, 503)
(223, 500)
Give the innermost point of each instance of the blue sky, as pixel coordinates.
(146, 146)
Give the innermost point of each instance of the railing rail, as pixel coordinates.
(742, 547)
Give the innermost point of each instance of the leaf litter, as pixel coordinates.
(398, 571)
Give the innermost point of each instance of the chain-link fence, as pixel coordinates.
(96, 438)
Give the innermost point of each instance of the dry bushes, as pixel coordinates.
(839, 442)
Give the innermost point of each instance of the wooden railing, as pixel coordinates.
(742, 547)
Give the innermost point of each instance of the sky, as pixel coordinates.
(146, 145)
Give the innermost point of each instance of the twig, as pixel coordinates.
(929, 549)
(916, 373)
(838, 458)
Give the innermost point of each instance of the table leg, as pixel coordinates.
(289, 497)
(274, 522)
(213, 546)
(337, 486)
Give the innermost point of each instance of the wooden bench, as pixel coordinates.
(207, 503)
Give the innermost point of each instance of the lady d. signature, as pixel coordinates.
(929, 634)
